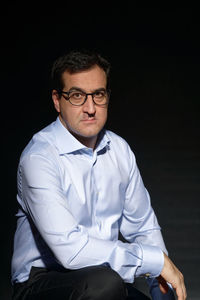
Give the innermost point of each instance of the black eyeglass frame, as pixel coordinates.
(108, 92)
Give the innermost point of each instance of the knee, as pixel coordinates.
(105, 283)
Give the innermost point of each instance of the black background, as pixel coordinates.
(155, 60)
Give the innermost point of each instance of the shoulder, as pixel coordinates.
(115, 138)
(40, 161)
(120, 146)
(117, 141)
(41, 145)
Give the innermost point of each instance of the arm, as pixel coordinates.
(139, 224)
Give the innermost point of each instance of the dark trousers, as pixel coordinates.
(91, 283)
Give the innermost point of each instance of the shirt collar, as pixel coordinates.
(67, 143)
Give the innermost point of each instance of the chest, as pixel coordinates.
(94, 186)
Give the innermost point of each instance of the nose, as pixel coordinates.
(89, 105)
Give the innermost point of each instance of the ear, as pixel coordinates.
(56, 100)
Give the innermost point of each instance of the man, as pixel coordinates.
(78, 187)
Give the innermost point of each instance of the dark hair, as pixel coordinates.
(76, 61)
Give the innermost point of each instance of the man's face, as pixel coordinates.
(87, 120)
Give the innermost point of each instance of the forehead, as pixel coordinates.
(93, 78)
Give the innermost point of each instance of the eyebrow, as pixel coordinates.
(75, 88)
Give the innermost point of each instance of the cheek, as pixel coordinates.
(103, 115)
(70, 114)
(70, 121)
(71, 118)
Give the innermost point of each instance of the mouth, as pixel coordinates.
(89, 120)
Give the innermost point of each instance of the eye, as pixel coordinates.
(76, 95)
(99, 94)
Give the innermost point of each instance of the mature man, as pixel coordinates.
(78, 187)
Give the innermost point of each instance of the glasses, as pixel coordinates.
(78, 97)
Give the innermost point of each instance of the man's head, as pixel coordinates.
(80, 94)
(76, 61)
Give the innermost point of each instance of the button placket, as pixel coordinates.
(95, 192)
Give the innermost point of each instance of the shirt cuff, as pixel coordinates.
(152, 261)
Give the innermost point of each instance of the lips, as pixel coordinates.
(89, 120)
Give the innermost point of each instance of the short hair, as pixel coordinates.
(74, 62)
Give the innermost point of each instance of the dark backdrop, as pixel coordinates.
(154, 105)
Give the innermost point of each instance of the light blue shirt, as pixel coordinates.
(74, 200)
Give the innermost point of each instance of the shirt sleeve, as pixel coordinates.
(42, 196)
(139, 223)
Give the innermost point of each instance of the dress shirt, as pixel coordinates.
(74, 200)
